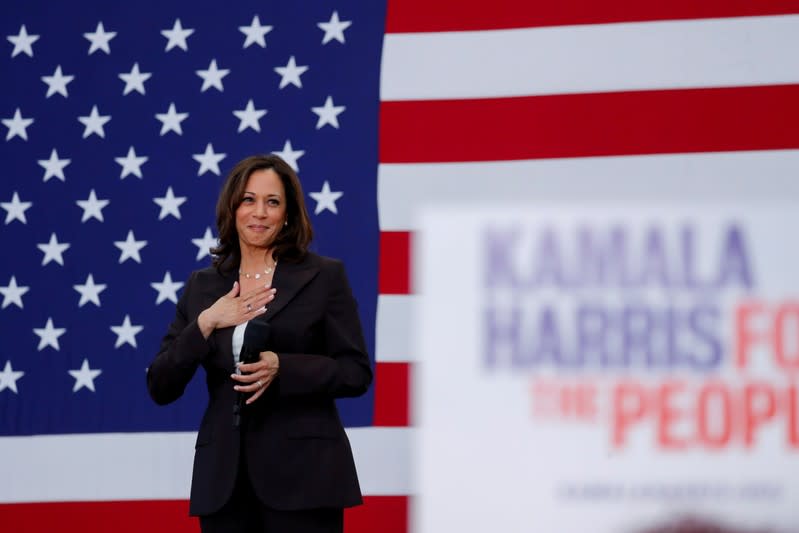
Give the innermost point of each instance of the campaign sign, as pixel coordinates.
(598, 370)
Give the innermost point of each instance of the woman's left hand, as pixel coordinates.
(256, 377)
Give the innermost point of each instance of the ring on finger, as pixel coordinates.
(259, 383)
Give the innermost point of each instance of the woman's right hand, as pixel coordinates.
(232, 309)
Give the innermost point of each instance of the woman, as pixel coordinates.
(284, 463)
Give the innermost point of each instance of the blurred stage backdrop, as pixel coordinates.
(119, 122)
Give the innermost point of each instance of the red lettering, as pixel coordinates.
(745, 336)
(573, 401)
(760, 405)
(792, 399)
(545, 396)
(712, 415)
(629, 406)
(787, 312)
(721, 395)
(668, 415)
(579, 401)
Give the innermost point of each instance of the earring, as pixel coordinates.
(286, 223)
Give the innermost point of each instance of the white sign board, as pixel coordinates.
(606, 369)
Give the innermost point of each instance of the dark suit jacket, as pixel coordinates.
(298, 455)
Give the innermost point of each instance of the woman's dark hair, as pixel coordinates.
(291, 242)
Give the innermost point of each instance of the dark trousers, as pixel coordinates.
(245, 513)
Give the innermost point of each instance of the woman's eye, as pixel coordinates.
(274, 202)
(246, 199)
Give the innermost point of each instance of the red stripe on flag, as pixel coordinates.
(392, 400)
(598, 124)
(394, 274)
(99, 517)
(461, 15)
(388, 514)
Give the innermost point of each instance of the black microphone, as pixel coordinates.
(256, 336)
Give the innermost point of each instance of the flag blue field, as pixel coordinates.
(121, 122)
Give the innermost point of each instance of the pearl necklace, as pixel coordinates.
(268, 270)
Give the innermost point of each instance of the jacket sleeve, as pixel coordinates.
(344, 369)
(182, 350)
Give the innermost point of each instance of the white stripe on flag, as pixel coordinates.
(157, 466)
(591, 58)
(393, 332)
(770, 176)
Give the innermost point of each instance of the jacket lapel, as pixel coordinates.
(289, 279)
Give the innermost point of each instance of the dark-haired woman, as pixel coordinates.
(284, 463)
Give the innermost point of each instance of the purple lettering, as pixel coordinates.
(548, 261)
(500, 268)
(502, 336)
(734, 263)
(637, 325)
(703, 321)
(654, 263)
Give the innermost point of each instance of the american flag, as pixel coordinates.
(120, 122)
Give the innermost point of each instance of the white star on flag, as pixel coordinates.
(54, 167)
(326, 199)
(9, 377)
(84, 377)
(89, 291)
(290, 155)
(17, 126)
(255, 33)
(15, 210)
(130, 248)
(92, 207)
(94, 123)
(249, 117)
(291, 73)
(12, 293)
(170, 204)
(57, 83)
(131, 163)
(177, 36)
(212, 77)
(48, 335)
(126, 333)
(170, 121)
(334, 28)
(167, 289)
(100, 39)
(209, 160)
(53, 250)
(22, 42)
(328, 113)
(205, 243)
(134, 80)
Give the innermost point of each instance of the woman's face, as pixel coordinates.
(262, 212)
